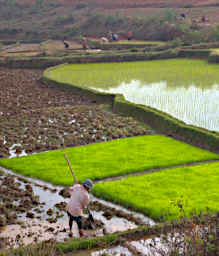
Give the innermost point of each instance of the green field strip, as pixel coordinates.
(159, 195)
(108, 159)
(111, 75)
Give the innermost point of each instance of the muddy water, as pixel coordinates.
(147, 246)
(144, 247)
(51, 222)
(13, 153)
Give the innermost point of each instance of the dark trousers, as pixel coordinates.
(77, 219)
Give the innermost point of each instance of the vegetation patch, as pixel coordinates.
(167, 194)
(128, 76)
(165, 123)
(125, 44)
(148, 72)
(199, 53)
(106, 159)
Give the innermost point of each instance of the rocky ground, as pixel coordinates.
(35, 117)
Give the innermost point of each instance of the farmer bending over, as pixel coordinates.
(79, 201)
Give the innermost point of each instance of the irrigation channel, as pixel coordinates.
(36, 211)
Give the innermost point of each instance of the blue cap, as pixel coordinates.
(88, 183)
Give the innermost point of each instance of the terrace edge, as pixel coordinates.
(158, 120)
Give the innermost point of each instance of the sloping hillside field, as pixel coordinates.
(167, 194)
(107, 159)
(179, 87)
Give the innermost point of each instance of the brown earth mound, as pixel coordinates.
(35, 117)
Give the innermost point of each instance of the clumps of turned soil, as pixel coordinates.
(54, 128)
(22, 91)
(15, 199)
(35, 117)
(110, 212)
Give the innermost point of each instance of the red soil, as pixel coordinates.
(136, 3)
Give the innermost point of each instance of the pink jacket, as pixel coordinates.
(78, 201)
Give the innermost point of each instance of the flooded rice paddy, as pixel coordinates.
(32, 211)
(192, 105)
(45, 219)
(184, 88)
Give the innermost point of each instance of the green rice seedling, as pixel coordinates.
(175, 72)
(159, 195)
(187, 89)
(107, 159)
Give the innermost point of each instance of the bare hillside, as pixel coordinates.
(133, 4)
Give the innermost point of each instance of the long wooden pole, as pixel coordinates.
(73, 174)
(69, 164)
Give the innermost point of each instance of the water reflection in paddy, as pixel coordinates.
(187, 89)
(193, 105)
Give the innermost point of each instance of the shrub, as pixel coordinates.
(170, 15)
(94, 19)
(176, 42)
(111, 20)
(81, 5)
(188, 6)
(61, 20)
(215, 32)
(193, 37)
(134, 50)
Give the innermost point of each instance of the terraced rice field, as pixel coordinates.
(167, 194)
(179, 87)
(154, 174)
(108, 159)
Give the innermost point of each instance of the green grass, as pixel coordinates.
(175, 72)
(133, 42)
(157, 194)
(107, 159)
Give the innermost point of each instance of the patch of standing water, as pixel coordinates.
(52, 120)
(72, 121)
(49, 196)
(193, 105)
(12, 151)
(150, 247)
(114, 224)
(116, 251)
(144, 219)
